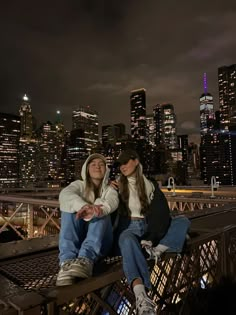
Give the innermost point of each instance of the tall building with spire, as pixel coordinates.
(227, 96)
(207, 116)
(26, 118)
(28, 146)
(209, 149)
(218, 140)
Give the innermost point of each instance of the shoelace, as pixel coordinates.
(153, 253)
(67, 264)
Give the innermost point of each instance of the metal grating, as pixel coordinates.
(30, 273)
(173, 278)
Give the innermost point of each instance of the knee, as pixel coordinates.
(126, 238)
(103, 221)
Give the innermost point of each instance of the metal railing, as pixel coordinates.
(29, 285)
(28, 268)
(40, 217)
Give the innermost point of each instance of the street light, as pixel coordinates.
(214, 186)
(171, 185)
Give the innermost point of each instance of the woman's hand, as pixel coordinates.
(88, 212)
(114, 184)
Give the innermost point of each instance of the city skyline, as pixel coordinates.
(80, 53)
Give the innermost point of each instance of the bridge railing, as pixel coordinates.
(40, 217)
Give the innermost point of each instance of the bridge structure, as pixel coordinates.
(29, 266)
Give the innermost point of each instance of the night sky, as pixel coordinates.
(65, 54)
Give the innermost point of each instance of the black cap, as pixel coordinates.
(127, 155)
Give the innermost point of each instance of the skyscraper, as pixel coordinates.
(28, 146)
(227, 96)
(76, 154)
(111, 133)
(207, 116)
(9, 149)
(26, 118)
(138, 124)
(150, 130)
(169, 126)
(158, 122)
(138, 114)
(218, 141)
(51, 142)
(87, 120)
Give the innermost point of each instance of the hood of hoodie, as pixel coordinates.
(90, 158)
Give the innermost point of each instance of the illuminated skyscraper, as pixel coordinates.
(138, 114)
(207, 116)
(169, 126)
(28, 154)
(9, 149)
(51, 143)
(158, 121)
(28, 146)
(150, 130)
(26, 118)
(87, 120)
(218, 141)
(227, 96)
(76, 154)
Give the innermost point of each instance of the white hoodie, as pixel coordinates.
(71, 197)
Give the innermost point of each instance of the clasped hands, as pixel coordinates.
(88, 212)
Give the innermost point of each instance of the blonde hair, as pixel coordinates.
(141, 189)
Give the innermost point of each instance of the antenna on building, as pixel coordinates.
(205, 83)
(25, 98)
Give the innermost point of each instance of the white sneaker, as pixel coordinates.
(145, 306)
(81, 267)
(64, 277)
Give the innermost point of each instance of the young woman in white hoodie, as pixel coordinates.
(86, 229)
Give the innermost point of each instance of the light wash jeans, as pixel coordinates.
(129, 235)
(176, 234)
(78, 238)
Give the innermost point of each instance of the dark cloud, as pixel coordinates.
(70, 53)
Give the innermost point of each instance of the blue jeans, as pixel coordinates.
(78, 238)
(176, 234)
(134, 263)
(129, 235)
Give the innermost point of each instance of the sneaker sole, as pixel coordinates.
(79, 274)
(61, 283)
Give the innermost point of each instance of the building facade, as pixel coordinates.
(227, 95)
(138, 114)
(9, 150)
(169, 126)
(87, 120)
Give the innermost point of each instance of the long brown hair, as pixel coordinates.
(141, 189)
(91, 188)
